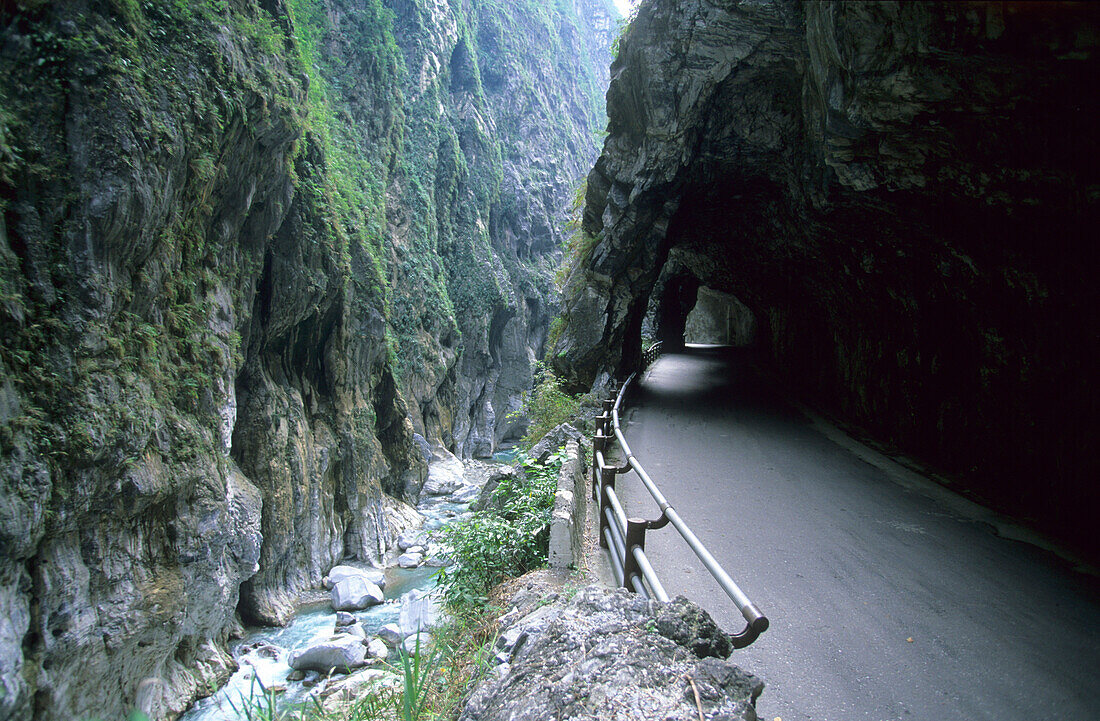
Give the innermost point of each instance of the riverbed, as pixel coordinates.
(263, 653)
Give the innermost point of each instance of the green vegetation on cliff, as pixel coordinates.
(246, 250)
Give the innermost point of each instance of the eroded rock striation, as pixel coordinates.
(904, 195)
(248, 250)
(611, 654)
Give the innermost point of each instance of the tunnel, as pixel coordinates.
(686, 309)
(719, 318)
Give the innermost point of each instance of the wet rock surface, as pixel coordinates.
(355, 594)
(342, 652)
(602, 654)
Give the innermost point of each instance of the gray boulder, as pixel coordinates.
(411, 538)
(342, 652)
(603, 654)
(391, 634)
(555, 440)
(418, 643)
(343, 618)
(355, 594)
(465, 494)
(485, 500)
(377, 648)
(682, 621)
(445, 474)
(420, 611)
(355, 629)
(410, 560)
(340, 573)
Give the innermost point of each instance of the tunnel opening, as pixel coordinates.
(684, 310)
(719, 318)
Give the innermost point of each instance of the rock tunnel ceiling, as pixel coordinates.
(904, 195)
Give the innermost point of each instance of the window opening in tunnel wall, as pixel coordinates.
(719, 318)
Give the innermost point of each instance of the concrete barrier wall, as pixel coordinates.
(570, 510)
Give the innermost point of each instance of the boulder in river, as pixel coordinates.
(420, 610)
(410, 560)
(339, 573)
(465, 494)
(391, 634)
(418, 643)
(399, 517)
(377, 648)
(445, 474)
(355, 629)
(355, 594)
(411, 538)
(342, 652)
(343, 618)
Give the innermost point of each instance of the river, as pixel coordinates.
(262, 654)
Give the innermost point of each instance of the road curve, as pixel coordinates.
(888, 599)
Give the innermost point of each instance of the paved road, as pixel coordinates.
(851, 561)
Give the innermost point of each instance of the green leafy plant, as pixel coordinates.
(508, 539)
(417, 672)
(624, 28)
(547, 405)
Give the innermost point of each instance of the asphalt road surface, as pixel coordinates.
(889, 598)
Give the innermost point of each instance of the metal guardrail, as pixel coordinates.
(624, 537)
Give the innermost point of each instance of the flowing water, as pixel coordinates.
(263, 652)
(506, 455)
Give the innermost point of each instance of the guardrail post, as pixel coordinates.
(635, 536)
(608, 404)
(599, 448)
(607, 479)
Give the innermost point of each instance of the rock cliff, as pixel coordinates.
(247, 248)
(904, 194)
(502, 108)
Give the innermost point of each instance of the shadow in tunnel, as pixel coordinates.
(701, 381)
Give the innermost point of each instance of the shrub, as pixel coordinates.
(547, 405)
(494, 545)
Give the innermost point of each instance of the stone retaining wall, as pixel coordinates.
(570, 510)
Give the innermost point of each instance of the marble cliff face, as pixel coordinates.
(247, 250)
(903, 193)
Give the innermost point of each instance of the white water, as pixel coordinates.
(263, 652)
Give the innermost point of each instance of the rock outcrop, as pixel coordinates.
(904, 195)
(611, 654)
(237, 240)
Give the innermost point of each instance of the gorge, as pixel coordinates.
(258, 257)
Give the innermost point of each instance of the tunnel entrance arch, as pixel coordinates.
(686, 309)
